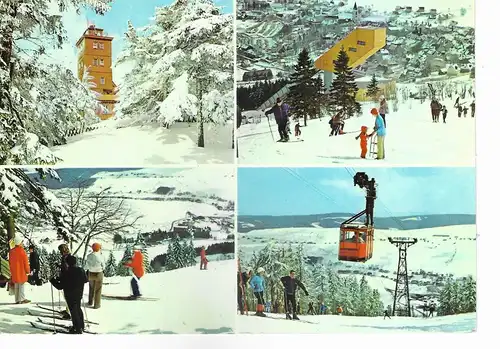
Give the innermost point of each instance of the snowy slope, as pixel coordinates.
(182, 307)
(353, 324)
(443, 250)
(113, 145)
(411, 138)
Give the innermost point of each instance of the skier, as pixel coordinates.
(34, 260)
(473, 108)
(336, 124)
(290, 284)
(203, 259)
(339, 310)
(445, 114)
(19, 270)
(137, 265)
(298, 132)
(94, 265)
(383, 109)
(435, 110)
(242, 283)
(310, 309)
(280, 111)
(65, 253)
(72, 281)
(363, 143)
(386, 314)
(465, 111)
(460, 111)
(379, 128)
(432, 308)
(322, 309)
(258, 284)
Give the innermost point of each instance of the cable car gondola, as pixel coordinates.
(356, 239)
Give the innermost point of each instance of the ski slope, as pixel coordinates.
(113, 145)
(277, 324)
(191, 301)
(412, 138)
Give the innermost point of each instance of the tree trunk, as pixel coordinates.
(6, 43)
(305, 120)
(87, 242)
(201, 136)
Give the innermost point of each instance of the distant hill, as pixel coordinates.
(333, 220)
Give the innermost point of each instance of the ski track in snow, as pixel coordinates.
(110, 146)
(412, 138)
(182, 309)
(353, 324)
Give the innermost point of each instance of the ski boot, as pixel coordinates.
(65, 315)
(288, 317)
(295, 317)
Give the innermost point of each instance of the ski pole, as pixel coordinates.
(86, 324)
(270, 129)
(53, 310)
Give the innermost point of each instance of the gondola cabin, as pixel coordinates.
(355, 242)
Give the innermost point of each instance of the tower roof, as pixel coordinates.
(95, 33)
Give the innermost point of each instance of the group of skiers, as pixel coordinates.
(438, 108)
(258, 285)
(70, 278)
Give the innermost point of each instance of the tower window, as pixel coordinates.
(353, 49)
(103, 81)
(101, 46)
(101, 62)
(94, 44)
(95, 62)
(361, 43)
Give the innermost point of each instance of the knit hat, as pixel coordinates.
(96, 247)
(364, 129)
(374, 111)
(260, 270)
(18, 240)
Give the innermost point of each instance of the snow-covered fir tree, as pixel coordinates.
(182, 67)
(43, 255)
(122, 270)
(31, 119)
(191, 257)
(373, 90)
(177, 259)
(110, 267)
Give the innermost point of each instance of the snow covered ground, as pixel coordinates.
(412, 138)
(276, 324)
(115, 145)
(442, 250)
(182, 307)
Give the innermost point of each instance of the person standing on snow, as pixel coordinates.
(386, 314)
(19, 270)
(473, 108)
(258, 285)
(94, 265)
(65, 253)
(383, 109)
(242, 283)
(203, 259)
(137, 265)
(379, 128)
(339, 310)
(34, 260)
(435, 110)
(290, 283)
(445, 114)
(72, 281)
(280, 111)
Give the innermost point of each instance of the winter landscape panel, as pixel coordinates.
(153, 242)
(116, 82)
(352, 81)
(373, 250)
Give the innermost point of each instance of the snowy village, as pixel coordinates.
(81, 79)
(156, 234)
(315, 73)
(374, 257)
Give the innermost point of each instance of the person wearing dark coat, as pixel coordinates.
(63, 266)
(72, 281)
(386, 314)
(290, 283)
(242, 283)
(280, 111)
(34, 260)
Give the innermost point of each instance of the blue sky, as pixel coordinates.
(400, 191)
(140, 13)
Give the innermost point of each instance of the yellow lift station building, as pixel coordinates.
(94, 54)
(360, 44)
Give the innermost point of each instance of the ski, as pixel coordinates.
(294, 141)
(280, 318)
(50, 309)
(129, 298)
(50, 316)
(67, 327)
(45, 327)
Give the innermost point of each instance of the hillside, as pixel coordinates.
(181, 308)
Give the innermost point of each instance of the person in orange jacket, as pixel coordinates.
(19, 270)
(363, 137)
(137, 265)
(339, 310)
(203, 259)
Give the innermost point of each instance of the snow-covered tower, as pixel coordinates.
(94, 55)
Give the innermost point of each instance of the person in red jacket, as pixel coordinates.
(137, 265)
(203, 259)
(19, 270)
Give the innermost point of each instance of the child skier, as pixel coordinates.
(363, 136)
(72, 282)
(298, 132)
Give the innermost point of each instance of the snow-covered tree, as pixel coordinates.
(30, 116)
(110, 267)
(373, 90)
(122, 270)
(182, 66)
